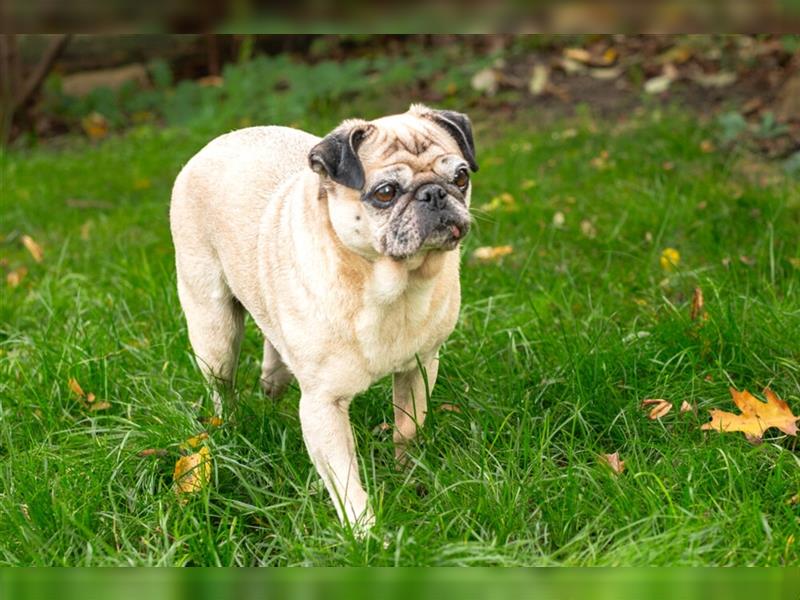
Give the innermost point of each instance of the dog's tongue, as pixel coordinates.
(455, 231)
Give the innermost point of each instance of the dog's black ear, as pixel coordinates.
(337, 156)
(458, 125)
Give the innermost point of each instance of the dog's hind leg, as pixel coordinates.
(275, 376)
(215, 320)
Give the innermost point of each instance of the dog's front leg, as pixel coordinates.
(410, 391)
(329, 439)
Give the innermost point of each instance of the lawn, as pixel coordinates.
(557, 345)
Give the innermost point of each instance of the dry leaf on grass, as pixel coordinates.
(152, 452)
(192, 472)
(613, 461)
(103, 405)
(504, 201)
(490, 253)
(15, 277)
(195, 440)
(756, 416)
(660, 407)
(449, 408)
(686, 407)
(76, 387)
(35, 249)
(212, 421)
(383, 427)
(698, 310)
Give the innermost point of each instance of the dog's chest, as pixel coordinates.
(391, 332)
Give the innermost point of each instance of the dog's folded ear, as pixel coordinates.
(337, 155)
(457, 125)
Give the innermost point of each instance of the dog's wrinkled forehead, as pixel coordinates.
(406, 138)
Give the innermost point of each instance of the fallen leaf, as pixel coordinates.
(489, 253)
(383, 427)
(15, 277)
(558, 219)
(670, 258)
(486, 81)
(697, 304)
(605, 73)
(76, 387)
(746, 260)
(660, 407)
(504, 201)
(213, 421)
(707, 146)
(86, 231)
(794, 500)
(714, 80)
(195, 440)
(686, 407)
(613, 461)
(756, 416)
(152, 452)
(588, 229)
(578, 54)
(32, 247)
(657, 85)
(95, 125)
(103, 405)
(192, 472)
(449, 408)
(600, 161)
(539, 79)
(795, 262)
(90, 397)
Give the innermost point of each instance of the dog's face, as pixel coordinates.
(399, 185)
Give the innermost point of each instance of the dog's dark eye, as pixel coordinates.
(385, 193)
(462, 179)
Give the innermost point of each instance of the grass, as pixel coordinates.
(556, 346)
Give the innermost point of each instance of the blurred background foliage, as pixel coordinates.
(98, 85)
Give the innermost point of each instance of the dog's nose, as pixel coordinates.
(433, 194)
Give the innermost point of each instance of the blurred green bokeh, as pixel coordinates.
(401, 584)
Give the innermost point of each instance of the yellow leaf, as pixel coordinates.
(756, 416)
(686, 407)
(660, 407)
(490, 253)
(192, 472)
(670, 258)
(103, 405)
(195, 441)
(95, 126)
(613, 461)
(15, 277)
(504, 201)
(76, 387)
(34, 248)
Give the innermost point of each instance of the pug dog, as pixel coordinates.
(344, 251)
